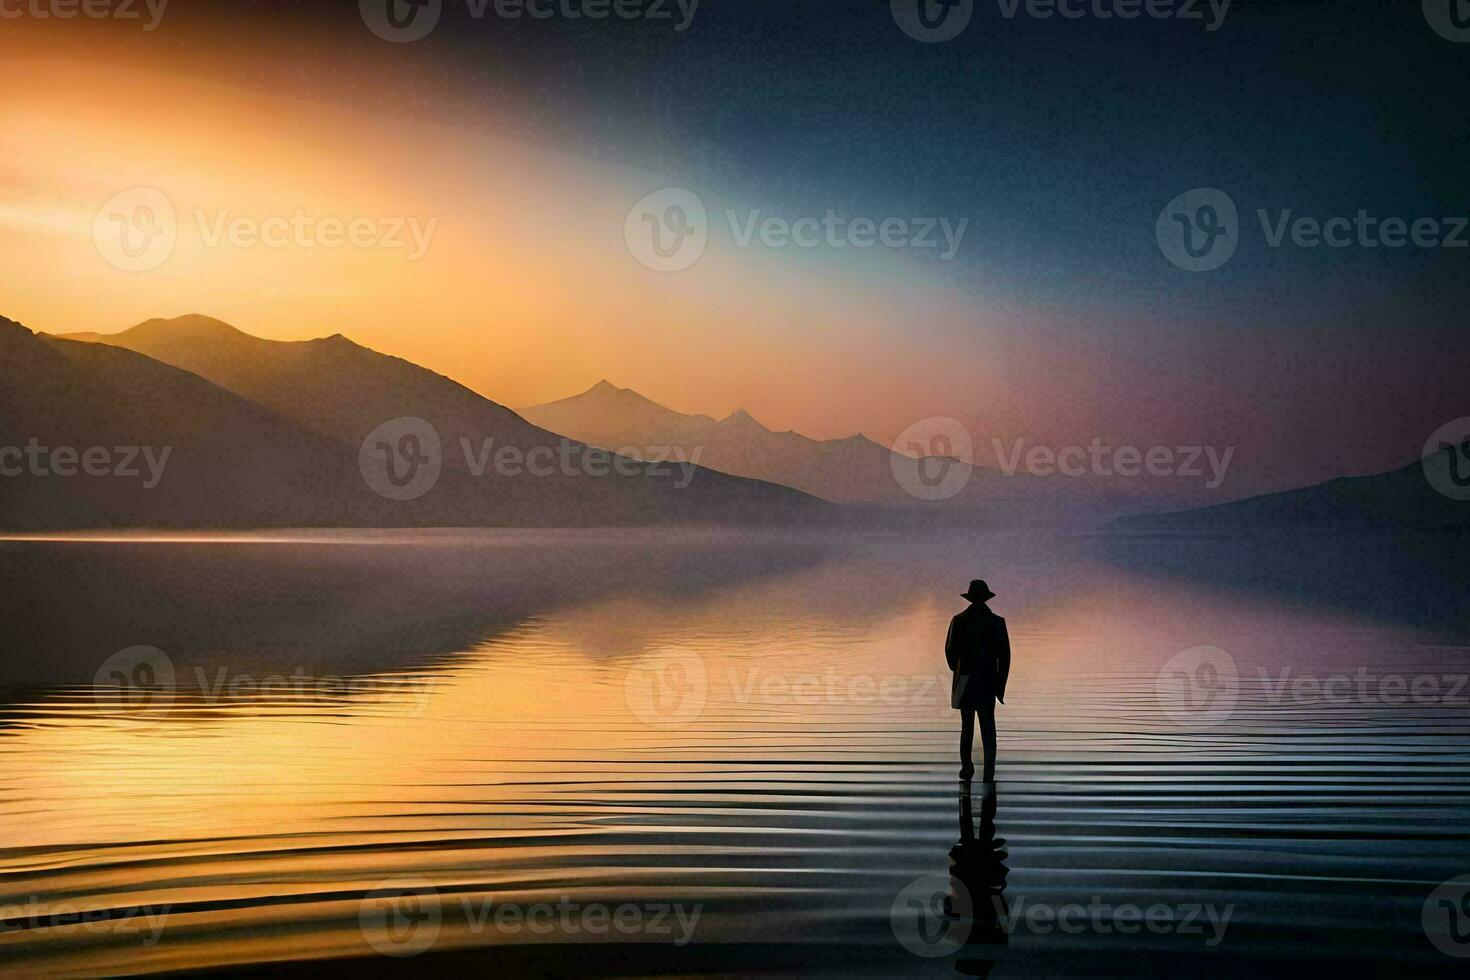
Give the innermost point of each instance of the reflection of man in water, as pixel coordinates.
(979, 652)
(977, 876)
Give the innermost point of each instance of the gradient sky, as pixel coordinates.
(1058, 321)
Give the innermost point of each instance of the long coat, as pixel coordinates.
(978, 649)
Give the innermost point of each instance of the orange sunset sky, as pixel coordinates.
(528, 293)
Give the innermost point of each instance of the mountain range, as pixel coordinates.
(228, 461)
(857, 471)
(853, 471)
(190, 422)
(1404, 498)
(270, 433)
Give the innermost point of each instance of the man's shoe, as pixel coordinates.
(966, 772)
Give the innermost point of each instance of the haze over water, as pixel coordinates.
(749, 733)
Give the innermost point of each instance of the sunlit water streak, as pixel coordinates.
(788, 792)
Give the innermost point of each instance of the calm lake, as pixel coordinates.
(634, 752)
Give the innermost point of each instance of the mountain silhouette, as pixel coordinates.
(230, 462)
(854, 470)
(330, 385)
(1404, 498)
(268, 433)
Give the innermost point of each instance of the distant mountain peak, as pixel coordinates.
(740, 417)
(606, 391)
(191, 326)
(854, 469)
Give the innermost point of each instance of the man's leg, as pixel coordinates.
(967, 741)
(987, 738)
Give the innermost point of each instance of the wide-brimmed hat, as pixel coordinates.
(979, 591)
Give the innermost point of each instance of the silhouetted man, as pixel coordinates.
(978, 649)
